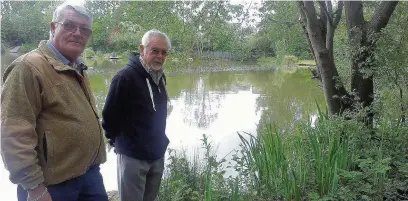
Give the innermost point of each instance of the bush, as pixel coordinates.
(290, 61)
(266, 61)
(333, 159)
(88, 53)
(26, 47)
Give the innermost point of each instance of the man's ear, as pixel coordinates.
(141, 49)
(52, 28)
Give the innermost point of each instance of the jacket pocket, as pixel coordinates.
(48, 148)
(44, 146)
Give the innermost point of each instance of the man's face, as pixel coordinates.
(71, 34)
(155, 53)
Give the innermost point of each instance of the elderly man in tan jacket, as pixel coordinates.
(51, 138)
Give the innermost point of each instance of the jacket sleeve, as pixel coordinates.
(113, 111)
(20, 106)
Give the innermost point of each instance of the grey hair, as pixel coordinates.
(155, 33)
(61, 9)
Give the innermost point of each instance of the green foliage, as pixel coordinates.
(330, 153)
(330, 159)
(26, 47)
(290, 61)
(261, 45)
(183, 180)
(267, 61)
(191, 26)
(280, 24)
(198, 179)
(333, 159)
(88, 52)
(276, 172)
(25, 21)
(392, 72)
(128, 39)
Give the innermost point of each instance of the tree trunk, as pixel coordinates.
(319, 34)
(402, 119)
(306, 36)
(362, 40)
(333, 90)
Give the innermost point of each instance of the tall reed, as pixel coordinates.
(278, 168)
(285, 164)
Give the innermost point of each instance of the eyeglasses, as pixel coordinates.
(71, 27)
(155, 51)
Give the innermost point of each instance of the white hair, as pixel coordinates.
(155, 33)
(61, 9)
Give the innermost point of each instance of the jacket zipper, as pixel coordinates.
(87, 95)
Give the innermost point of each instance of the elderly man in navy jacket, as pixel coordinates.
(134, 119)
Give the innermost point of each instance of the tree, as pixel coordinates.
(25, 22)
(210, 23)
(392, 77)
(319, 31)
(107, 17)
(280, 24)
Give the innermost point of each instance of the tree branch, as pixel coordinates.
(355, 22)
(288, 23)
(246, 13)
(329, 7)
(324, 8)
(333, 88)
(338, 14)
(382, 15)
(306, 34)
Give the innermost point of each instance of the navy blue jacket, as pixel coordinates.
(133, 123)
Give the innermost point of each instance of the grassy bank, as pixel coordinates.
(333, 159)
(182, 63)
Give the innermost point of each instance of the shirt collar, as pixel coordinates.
(145, 66)
(60, 56)
(156, 75)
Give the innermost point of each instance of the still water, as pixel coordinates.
(215, 104)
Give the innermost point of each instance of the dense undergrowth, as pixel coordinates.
(330, 159)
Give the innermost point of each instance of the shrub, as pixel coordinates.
(26, 47)
(290, 61)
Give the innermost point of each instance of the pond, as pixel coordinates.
(217, 104)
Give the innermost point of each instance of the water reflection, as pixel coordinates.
(201, 107)
(113, 61)
(288, 97)
(231, 118)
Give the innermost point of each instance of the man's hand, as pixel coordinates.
(37, 192)
(111, 142)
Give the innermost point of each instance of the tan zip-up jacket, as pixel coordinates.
(50, 131)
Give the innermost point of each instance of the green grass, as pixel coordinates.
(307, 62)
(273, 162)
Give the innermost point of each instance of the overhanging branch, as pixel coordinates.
(382, 15)
(288, 23)
(324, 8)
(338, 14)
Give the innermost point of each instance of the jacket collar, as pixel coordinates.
(61, 57)
(55, 61)
(135, 63)
(140, 66)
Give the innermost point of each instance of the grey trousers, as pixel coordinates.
(139, 180)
